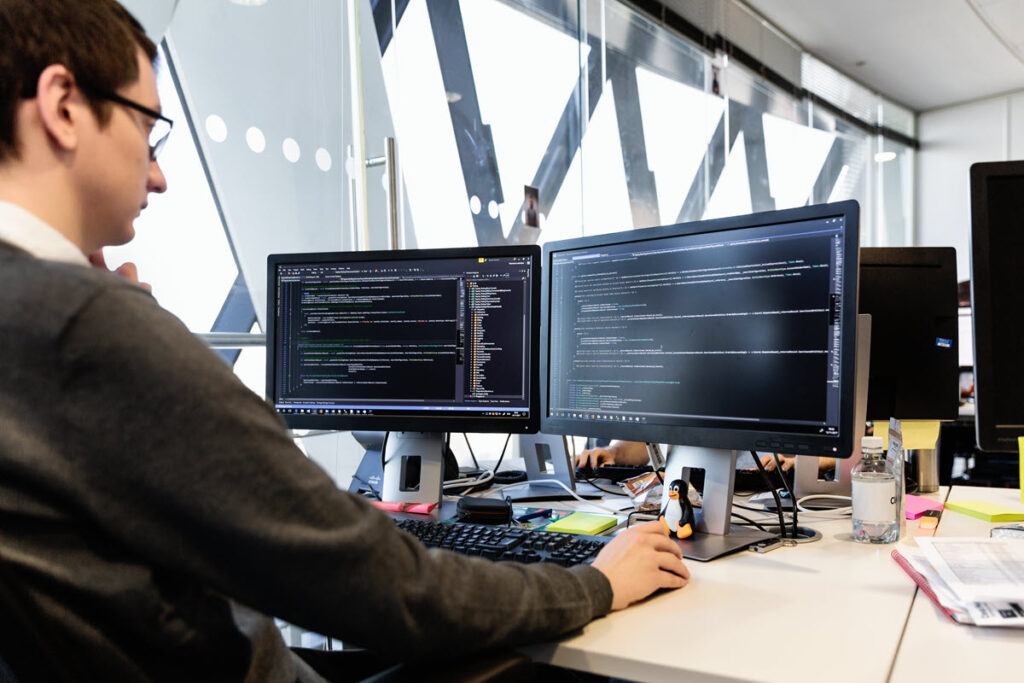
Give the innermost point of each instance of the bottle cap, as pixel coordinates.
(872, 442)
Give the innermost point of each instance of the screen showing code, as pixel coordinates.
(737, 329)
(404, 336)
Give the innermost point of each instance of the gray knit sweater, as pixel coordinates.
(146, 495)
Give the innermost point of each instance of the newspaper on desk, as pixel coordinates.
(978, 580)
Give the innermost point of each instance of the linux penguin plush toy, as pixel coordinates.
(677, 515)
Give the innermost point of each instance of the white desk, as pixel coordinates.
(936, 649)
(794, 614)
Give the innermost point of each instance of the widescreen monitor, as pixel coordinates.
(997, 300)
(911, 295)
(433, 341)
(734, 333)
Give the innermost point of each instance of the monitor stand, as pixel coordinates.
(369, 476)
(715, 534)
(548, 460)
(413, 468)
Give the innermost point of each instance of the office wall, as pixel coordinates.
(953, 138)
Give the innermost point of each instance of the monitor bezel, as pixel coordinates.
(840, 445)
(450, 424)
(990, 437)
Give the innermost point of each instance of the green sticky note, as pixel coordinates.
(989, 512)
(582, 523)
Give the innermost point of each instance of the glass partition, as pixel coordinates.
(617, 121)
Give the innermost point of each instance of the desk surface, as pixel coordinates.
(794, 614)
(933, 647)
(801, 614)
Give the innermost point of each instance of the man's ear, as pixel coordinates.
(59, 106)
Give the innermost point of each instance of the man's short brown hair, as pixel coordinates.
(95, 39)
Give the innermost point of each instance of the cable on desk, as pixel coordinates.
(568, 490)
(629, 518)
(508, 477)
(502, 456)
(749, 522)
(775, 494)
(750, 508)
(469, 484)
(471, 453)
(368, 486)
(837, 512)
(593, 482)
(807, 513)
(805, 535)
(785, 482)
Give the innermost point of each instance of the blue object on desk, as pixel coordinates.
(545, 513)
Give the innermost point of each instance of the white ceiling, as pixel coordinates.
(923, 54)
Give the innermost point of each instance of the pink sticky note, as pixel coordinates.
(916, 506)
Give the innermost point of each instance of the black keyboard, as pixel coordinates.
(505, 543)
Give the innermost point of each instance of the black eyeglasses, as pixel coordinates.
(161, 127)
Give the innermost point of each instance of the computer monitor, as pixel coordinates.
(415, 342)
(997, 299)
(911, 295)
(734, 334)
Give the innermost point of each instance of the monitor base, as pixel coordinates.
(706, 547)
(543, 493)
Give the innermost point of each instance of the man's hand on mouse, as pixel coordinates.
(639, 561)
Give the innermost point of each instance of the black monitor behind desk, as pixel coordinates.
(959, 439)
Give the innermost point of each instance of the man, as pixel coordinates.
(152, 509)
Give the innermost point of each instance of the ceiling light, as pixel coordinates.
(249, 3)
(882, 157)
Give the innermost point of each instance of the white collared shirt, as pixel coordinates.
(26, 231)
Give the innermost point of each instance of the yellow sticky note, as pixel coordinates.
(1020, 482)
(582, 523)
(989, 512)
(917, 434)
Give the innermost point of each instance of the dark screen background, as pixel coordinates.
(1006, 245)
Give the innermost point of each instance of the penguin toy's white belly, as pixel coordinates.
(673, 514)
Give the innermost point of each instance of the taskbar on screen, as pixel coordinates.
(435, 412)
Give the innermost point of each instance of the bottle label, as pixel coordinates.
(874, 501)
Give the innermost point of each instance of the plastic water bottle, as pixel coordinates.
(875, 512)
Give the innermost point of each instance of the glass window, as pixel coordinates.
(894, 167)
(485, 98)
(617, 121)
(679, 123)
(647, 139)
